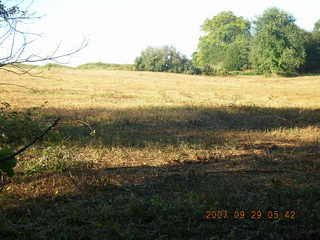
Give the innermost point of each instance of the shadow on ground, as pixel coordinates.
(274, 194)
(139, 127)
(170, 202)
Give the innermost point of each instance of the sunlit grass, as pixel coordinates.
(119, 89)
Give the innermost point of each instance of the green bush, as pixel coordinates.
(164, 59)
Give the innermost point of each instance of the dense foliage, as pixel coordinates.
(312, 48)
(278, 45)
(163, 59)
(225, 43)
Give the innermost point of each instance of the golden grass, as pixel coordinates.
(158, 100)
(74, 89)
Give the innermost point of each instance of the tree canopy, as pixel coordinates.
(278, 44)
(163, 59)
(225, 42)
(312, 48)
(273, 43)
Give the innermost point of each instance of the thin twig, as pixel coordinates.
(17, 85)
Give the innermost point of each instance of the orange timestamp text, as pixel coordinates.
(250, 214)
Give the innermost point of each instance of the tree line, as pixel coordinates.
(271, 44)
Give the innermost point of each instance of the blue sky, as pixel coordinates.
(119, 29)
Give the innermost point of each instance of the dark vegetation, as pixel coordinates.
(166, 59)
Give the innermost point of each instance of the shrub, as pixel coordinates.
(165, 59)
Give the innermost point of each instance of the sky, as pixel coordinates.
(118, 30)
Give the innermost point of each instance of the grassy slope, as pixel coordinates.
(167, 148)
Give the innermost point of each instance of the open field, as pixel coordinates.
(142, 155)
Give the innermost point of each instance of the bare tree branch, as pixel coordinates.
(15, 47)
(31, 143)
(16, 42)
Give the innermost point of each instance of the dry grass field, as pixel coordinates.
(141, 155)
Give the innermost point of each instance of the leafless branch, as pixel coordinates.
(31, 143)
(18, 41)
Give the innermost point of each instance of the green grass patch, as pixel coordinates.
(106, 66)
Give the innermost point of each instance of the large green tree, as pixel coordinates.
(278, 44)
(225, 42)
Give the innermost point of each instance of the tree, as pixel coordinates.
(317, 26)
(164, 59)
(278, 44)
(237, 55)
(226, 37)
(312, 48)
(14, 43)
